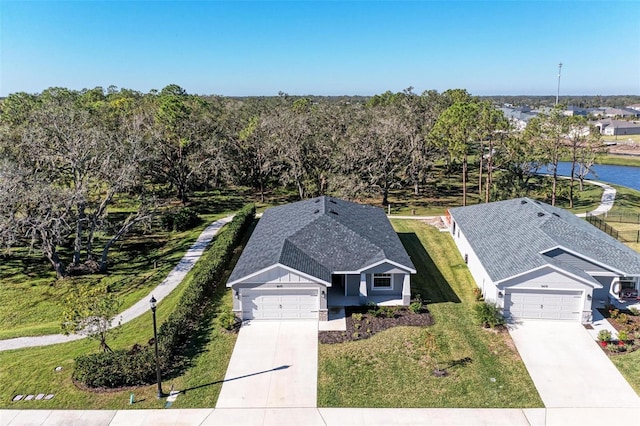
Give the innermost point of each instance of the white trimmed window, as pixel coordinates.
(382, 281)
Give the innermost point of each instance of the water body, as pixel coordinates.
(628, 176)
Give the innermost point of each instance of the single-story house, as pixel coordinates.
(611, 127)
(538, 261)
(305, 256)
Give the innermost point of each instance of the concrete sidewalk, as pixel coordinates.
(327, 417)
(606, 202)
(174, 278)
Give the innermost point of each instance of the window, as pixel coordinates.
(382, 281)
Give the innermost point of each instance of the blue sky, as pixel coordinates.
(322, 47)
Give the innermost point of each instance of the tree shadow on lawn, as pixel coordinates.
(429, 281)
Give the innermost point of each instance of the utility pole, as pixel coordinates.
(558, 94)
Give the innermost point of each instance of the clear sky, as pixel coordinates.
(322, 47)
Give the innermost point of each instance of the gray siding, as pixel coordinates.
(396, 284)
(575, 261)
(352, 282)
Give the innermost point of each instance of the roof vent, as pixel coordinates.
(540, 214)
(523, 201)
(332, 201)
(316, 212)
(317, 200)
(555, 214)
(333, 212)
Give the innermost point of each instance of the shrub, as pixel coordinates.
(415, 307)
(488, 315)
(137, 365)
(634, 311)
(622, 319)
(180, 220)
(623, 335)
(356, 317)
(604, 336)
(185, 218)
(227, 320)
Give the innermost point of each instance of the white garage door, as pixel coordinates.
(543, 304)
(280, 304)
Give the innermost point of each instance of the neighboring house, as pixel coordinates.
(635, 107)
(610, 127)
(614, 112)
(306, 256)
(538, 261)
(518, 116)
(574, 110)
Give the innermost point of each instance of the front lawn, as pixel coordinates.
(392, 369)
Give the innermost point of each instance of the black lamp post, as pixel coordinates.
(152, 302)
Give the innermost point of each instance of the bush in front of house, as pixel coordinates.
(181, 220)
(488, 314)
(136, 366)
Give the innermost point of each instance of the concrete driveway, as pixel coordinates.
(274, 364)
(568, 368)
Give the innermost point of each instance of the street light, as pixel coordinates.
(152, 302)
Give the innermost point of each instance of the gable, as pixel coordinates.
(276, 275)
(551, 278)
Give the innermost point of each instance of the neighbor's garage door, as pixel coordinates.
(280, 304)
(543, 304)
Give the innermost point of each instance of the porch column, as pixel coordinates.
(363, 288)
(406, 290)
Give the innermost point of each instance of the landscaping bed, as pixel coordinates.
(627, 324)
(363, 322)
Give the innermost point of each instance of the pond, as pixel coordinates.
(628, 176)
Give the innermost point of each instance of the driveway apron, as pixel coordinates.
(274, 364)
(568, 368)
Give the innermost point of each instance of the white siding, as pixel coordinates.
(550, 279)
(479, 274)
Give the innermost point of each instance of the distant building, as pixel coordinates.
(518, 116)
(611, 127)
(614, 112)
(635, 107)
(573, 110)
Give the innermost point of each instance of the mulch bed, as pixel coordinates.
(371, 323)
(632, 326)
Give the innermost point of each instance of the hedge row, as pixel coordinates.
(136, 366)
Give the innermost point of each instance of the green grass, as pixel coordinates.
(32, 370)
(392, 369)
(629, 366)
(620, 160)
(32, 297)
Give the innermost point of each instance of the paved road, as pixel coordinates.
(568, 368)
(274, 364)
(174, 278)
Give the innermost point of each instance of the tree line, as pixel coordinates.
(67, 156)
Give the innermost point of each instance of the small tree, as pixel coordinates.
(90, 311)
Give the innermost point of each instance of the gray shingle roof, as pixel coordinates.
(320, 236)
(508, 237)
